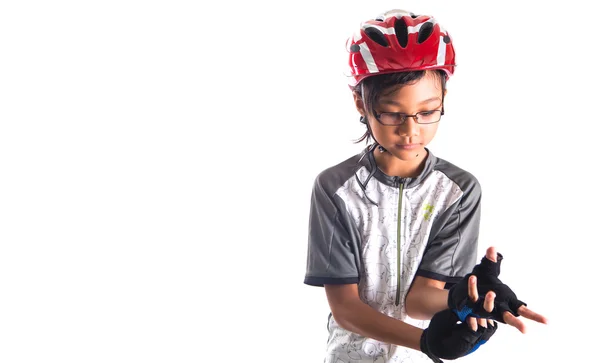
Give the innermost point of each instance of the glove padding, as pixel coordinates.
(446, 338)
(487, 273)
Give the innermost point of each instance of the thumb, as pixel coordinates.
(489, 268)
(491, 254)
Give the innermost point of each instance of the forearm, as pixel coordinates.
(360, 318)
(423, 302)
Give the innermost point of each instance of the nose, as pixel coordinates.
(410, 127)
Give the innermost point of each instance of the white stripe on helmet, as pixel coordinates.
(368, 58)
(441, 54)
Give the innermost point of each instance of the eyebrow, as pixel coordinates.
(392, 102)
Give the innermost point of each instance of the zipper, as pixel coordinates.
(400, 183)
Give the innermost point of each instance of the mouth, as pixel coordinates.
(408, 146)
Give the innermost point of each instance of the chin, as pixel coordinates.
(407, 154)
(409, 157)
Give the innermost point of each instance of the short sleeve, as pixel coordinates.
(451, 251)
(333, 240)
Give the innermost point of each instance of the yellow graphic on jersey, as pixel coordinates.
(428, 208)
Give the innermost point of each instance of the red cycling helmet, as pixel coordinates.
(399, 41)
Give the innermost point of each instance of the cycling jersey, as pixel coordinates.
(380, 231)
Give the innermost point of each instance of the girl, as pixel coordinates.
(390, 227)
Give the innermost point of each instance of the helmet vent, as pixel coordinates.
(377, 36)
(425, 32)
(401, 32)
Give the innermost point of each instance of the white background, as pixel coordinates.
(157, 160)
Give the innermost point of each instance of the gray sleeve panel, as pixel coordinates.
(333, 239)
(451, 251)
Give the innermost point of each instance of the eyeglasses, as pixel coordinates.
(397, 118)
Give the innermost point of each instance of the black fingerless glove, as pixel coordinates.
(446, 338)
(487, 273)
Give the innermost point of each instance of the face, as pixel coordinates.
(407, 141)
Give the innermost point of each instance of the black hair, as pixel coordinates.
(374, 87)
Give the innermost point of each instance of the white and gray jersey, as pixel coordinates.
(383, 234)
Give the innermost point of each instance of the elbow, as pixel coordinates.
(348, 314)
(342, 317)
(345, 304)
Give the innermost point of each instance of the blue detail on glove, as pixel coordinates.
(477, 345)
(465, 312)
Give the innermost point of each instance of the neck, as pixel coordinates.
(394, 166)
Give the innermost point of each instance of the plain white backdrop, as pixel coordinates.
(157, 160)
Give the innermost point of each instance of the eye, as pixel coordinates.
(391, 117)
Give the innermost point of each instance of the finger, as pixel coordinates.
(510, 319)
(482, 322)
(491, 322)
(532, 315)
(472, 322)
(488, 304)
(473, 288)
(491, 254)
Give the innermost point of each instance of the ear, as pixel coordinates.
(360, 105)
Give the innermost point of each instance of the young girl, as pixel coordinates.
(390, 227)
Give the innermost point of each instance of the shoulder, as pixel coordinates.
(465, 180)
(332, 178)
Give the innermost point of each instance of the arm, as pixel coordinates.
(333, 261)
(447, 339)
(425, 298)
(354, 315)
